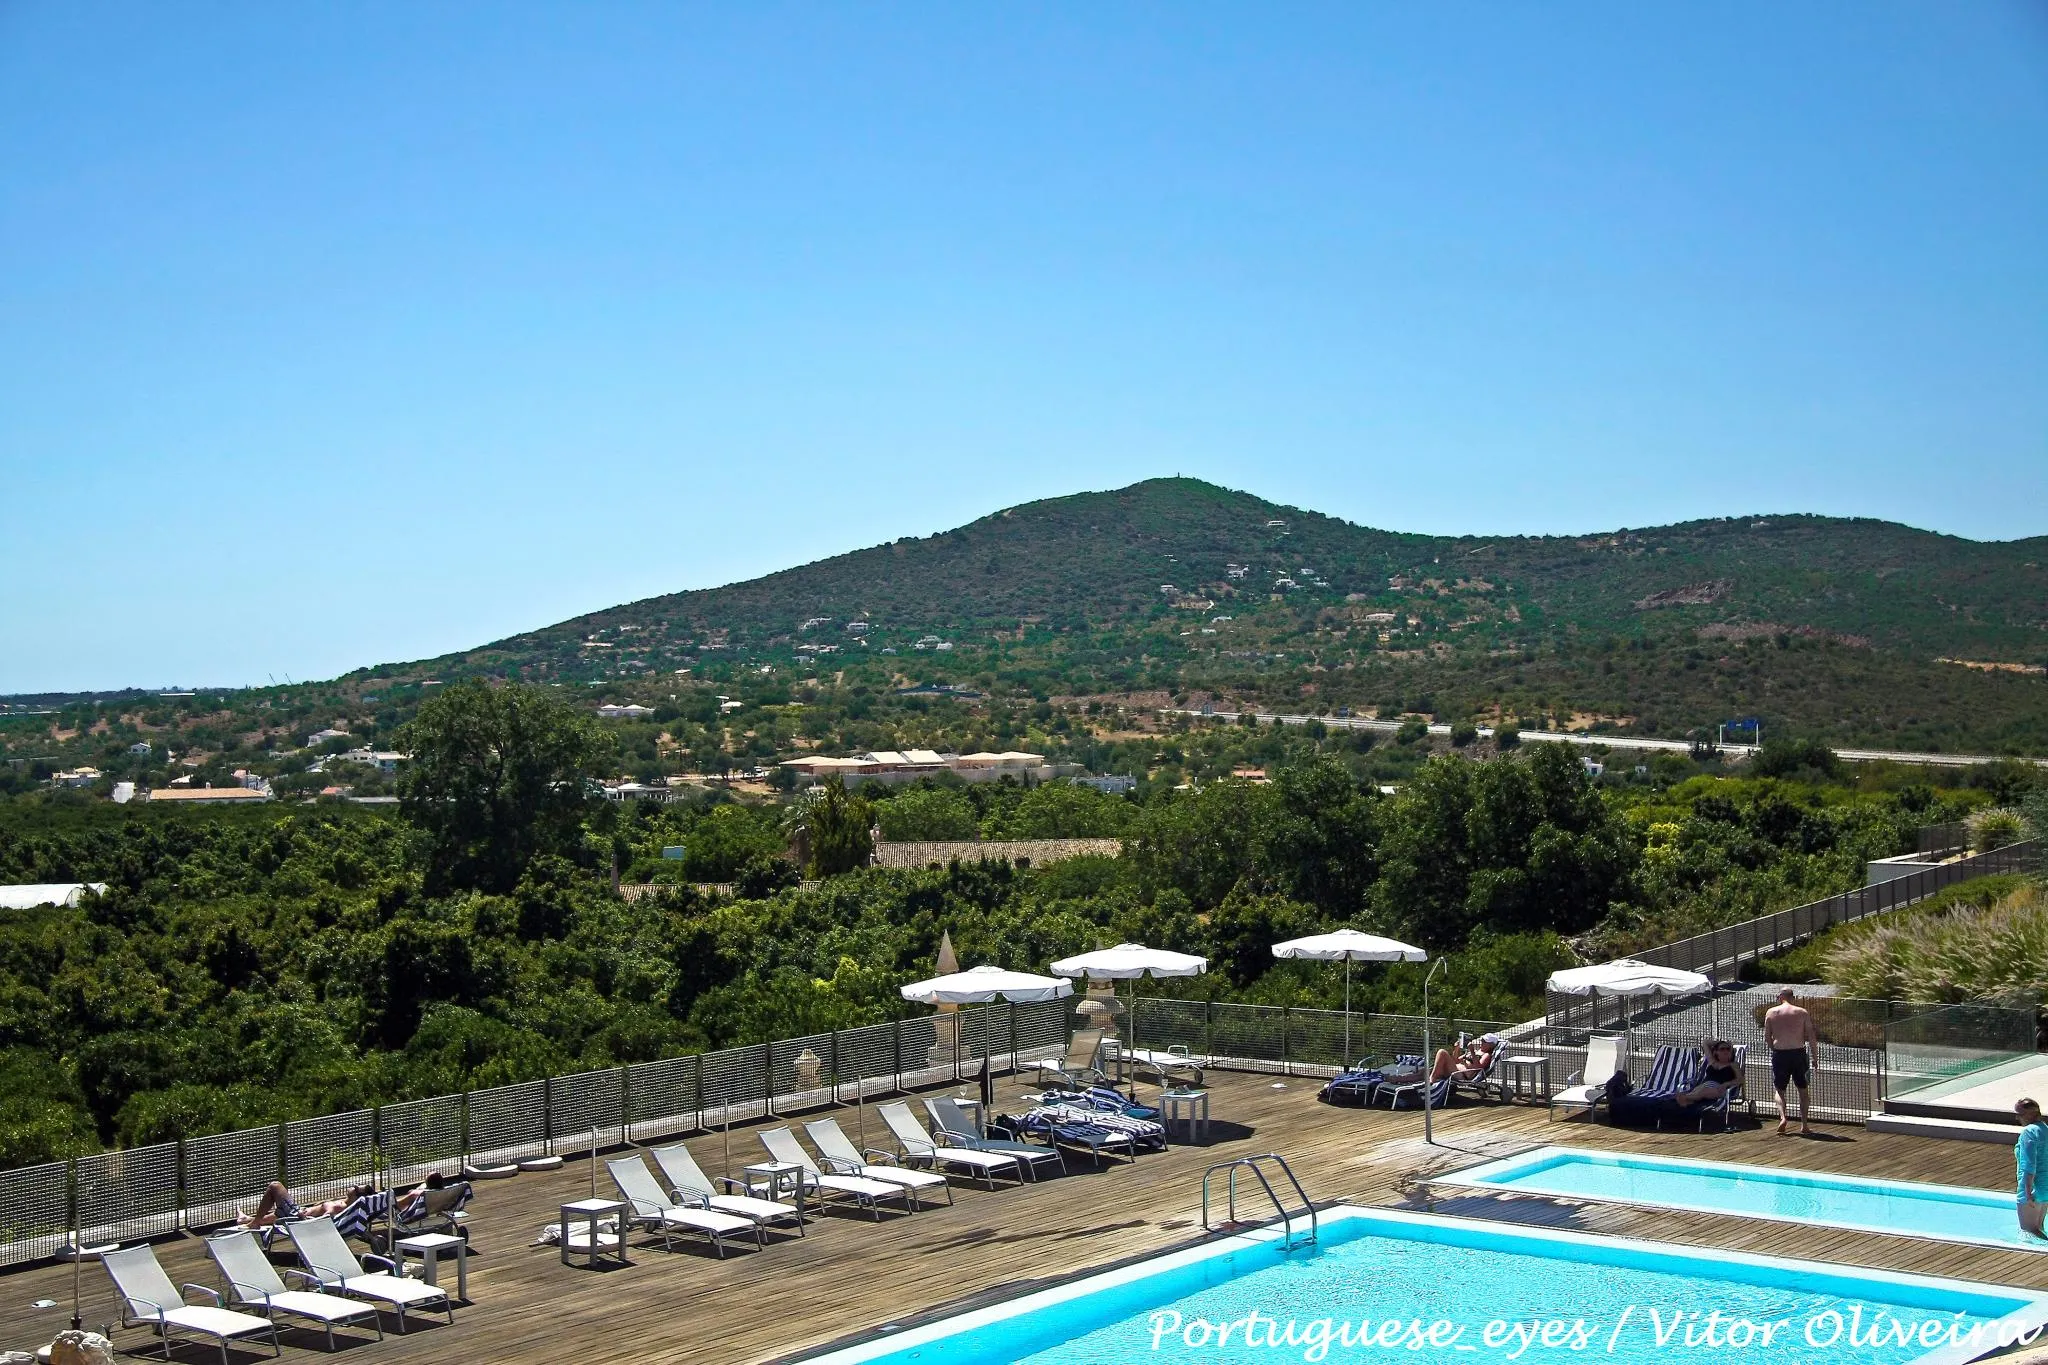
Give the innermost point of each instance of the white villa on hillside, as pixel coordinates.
(891, 768)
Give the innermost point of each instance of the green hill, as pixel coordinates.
(1845, 630)
(1104, 559)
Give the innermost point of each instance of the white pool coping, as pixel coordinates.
(2033, 1317)
(1476, 1177)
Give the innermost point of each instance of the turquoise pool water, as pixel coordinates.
(1382, 1285)
(1946, 1212)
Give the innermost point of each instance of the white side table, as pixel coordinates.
(1190, 1107)
(778, 1180)
(429, 1247)
(1533, 1066)
(586, 1241)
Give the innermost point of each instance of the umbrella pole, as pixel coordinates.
(1428, 1063)
(1345, 1060)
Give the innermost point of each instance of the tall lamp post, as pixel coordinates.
(1428, 1060)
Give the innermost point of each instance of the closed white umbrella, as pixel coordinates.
(1625, 976)
(982, 984)
(1349, 946)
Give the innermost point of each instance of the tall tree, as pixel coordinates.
(497, 777)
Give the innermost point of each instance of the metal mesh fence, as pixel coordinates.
(735, 1085)
(1293, 1041)
(508, 1123)
(585, 1102)
(661, 1097)
(1846, 1086)
(864, 1060)
(1041, 1031)
(324, 1156)
(1720, 951)
(229, 1170)
(125, 1195)
(926, 1058)
(420, 1135)
(797, 1069)
(35, 1212)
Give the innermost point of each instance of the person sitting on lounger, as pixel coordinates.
(277, 1206)
(1717, 1080)
(1467, 1064)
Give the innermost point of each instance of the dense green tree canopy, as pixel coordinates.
(498, 776)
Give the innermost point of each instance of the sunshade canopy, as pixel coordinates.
(1626, 976)
(1349, 945)
(1128, 961)
(985, 983)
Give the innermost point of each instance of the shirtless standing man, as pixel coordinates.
(1795, 1051)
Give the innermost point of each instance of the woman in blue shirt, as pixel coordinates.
(2031, 1157)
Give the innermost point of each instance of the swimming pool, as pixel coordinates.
(1389, 1285)
(1948, 1213)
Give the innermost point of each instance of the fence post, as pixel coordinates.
(547, 1114)
(1208, 1028)
(283, 1152)
(1286, 1028)
(896, 1059)
(833, 1048)
(768, 1078)
(1013, 1037)
(625, 1106)
(697, 1089)
(462, 1127)
(184, 1204)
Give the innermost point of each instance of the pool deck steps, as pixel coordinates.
(1956, 1130)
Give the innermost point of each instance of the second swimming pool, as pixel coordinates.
(1949, 1213)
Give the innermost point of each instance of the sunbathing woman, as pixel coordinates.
(1720, 1075)
(276, 1206)
(1468, 1065)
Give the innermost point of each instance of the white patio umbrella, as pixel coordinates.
(1626, 977)
(1349, 946)
(982, 984)
(1128, 962)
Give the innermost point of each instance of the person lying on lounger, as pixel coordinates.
(277, 1206)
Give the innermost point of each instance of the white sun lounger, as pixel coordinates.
(1603, 1059)
(149, 1298)
(253, 1282)
(335, 1267)
(918, 1145)
(654, 1208)
(679, 1169)
(952, 1120)
(846, 1159)
(867, 1193)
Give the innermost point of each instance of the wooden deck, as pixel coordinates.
(850, 1275)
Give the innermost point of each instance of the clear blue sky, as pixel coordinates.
(340, 334)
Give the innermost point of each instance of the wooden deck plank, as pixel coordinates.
(850, 1274)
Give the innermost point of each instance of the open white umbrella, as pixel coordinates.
(1128, 962)
(1349, 946)
(985, 983)
(1626, 977)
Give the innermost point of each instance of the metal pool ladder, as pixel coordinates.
(1253, 1164)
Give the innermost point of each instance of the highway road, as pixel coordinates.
(1617, 742)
